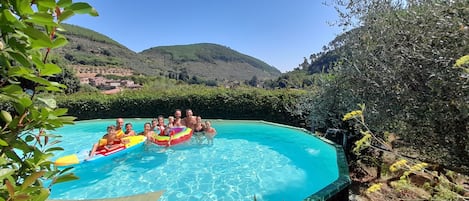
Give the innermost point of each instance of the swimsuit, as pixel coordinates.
(199, 130)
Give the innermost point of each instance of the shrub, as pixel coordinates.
(28, 34)
(205, 101)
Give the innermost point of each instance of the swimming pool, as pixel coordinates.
(247, 159)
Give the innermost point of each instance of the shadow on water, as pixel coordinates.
(88, 173)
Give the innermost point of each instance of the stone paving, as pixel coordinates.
(152, 196)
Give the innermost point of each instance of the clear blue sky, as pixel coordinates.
(278, 32)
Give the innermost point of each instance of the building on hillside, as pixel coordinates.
(127, 82)
(97, 81)
(107, 84)
(84, 80)
(113, 83)
(231, 84)
(130, 84)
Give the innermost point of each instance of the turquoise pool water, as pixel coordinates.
(247, 158)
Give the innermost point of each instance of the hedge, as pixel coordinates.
(210, 103)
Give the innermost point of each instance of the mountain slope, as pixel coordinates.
(93, 50)
(209, 61)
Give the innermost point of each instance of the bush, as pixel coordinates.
(210, 103)
(28, 35)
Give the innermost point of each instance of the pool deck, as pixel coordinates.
(154, 196)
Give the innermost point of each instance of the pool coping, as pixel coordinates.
(341, 183)
(144, 196)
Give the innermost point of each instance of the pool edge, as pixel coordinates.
(342, 182)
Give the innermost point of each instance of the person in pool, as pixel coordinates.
(210, 132)
(160, 127)
(154, 124)
(199, 129)
(119, 128)
(108, 142)
(190, 119)
(199, 125)
(168, 126)
(129, 131)
(178, 122)
(147, 131)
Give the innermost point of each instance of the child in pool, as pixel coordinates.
(108, 142)
(129, 131)
(210, 132)
(147, 131)
(168, 126)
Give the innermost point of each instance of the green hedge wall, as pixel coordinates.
(210, 103)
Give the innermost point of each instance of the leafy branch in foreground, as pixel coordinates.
(410, 178)
(28, 33)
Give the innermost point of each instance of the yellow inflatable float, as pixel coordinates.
(81, 156)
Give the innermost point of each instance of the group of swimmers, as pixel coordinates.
(113, 139)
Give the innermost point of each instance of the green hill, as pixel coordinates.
(94, 50)
(209, 61)
(73, 30)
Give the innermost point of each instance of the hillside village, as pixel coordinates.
(94, 76)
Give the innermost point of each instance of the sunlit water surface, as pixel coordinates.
(247, 159)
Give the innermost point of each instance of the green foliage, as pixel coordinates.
(66, 77)
(206, 61)
(84, 58)
(298, 79)
(206, 52)
(209, 102)
(88, 88)
(28, 34)
(404, 168)
(89, 34)
(324, 106)
(323, 62)
(211, 83)
(399, 61)
(307, 74)
(90, 48)
(254, 81)
(164, 83)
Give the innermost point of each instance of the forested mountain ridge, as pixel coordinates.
(207, 61)
(94, 50)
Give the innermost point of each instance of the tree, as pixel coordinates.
(28, 34)
(305, 64)
(67, 78)
(195, 80)
(211, 83)
(254, 81)
(399, 62)
(283, 83)
(184, 75)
